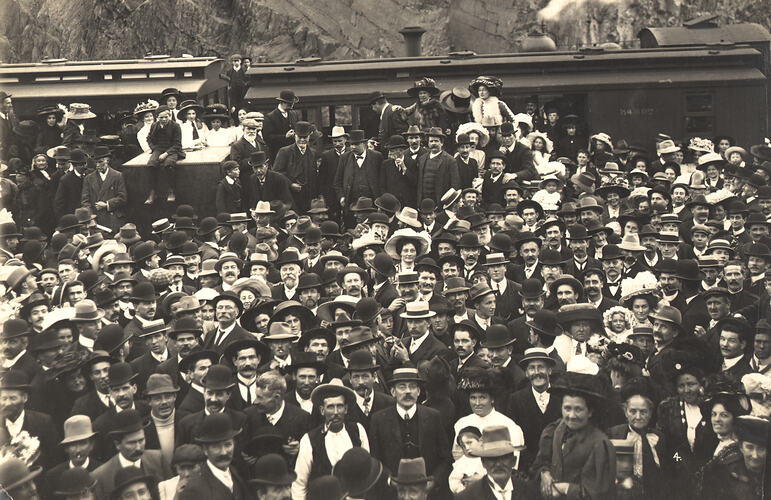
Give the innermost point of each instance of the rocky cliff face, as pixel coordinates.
(276, 30)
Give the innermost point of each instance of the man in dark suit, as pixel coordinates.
(279, 123)
(328, 170)
(70, 188)
(265, 184)
(97, 400)
(392, 119)
(195, 366)
(493, 185)
(127, 434)
(533, 407)
(414, 138)
(362, 371)
(465, 340)
(243, 149)
(298, 163)
(14, 394)
(529, 248)
(594, 283)
(219, 479)
(421, 345)
(227, 330)
(410, 430)
(270, 408)
(518, 157)
(15, 340)
(437, 170)
(104, 192)
(578, 239)
(358, 173)
(736, 335)
(228, 199)
(399, 174)
(507, 299)
(154, 336)
(497, 454)
(78, 443)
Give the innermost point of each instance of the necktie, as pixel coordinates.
(578, 348)
(248, 395)
(218, 337)
(195, 131)
(366, 405)
(406, 417)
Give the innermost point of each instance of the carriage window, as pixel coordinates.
(325, 116)
(344, 115)
(698, 103)
(699, 114)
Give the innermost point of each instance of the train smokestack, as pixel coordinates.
(412, 36)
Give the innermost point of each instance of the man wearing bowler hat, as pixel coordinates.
(298, 163)
(498, 459)
(219, 479)
(265, 185)
(518, 157)
(97, 400)
(437, 169)
(16, 477)
(392, 118)
(14, 340)
(363, 375)
(104, 191)
(323, 446)
(358, 172)
(14, 394)
(400, 172)
(194, 368)
(128, 437)
(409, 430)
(76, 483)
(272, 479)
(279, 123)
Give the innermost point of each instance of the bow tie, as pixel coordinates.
(359, 157)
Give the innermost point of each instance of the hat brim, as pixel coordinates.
(32, 474)
(497, 449)
(425, 315)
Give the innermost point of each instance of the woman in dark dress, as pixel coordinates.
(42, 191)
(575, 458)
(50, 133)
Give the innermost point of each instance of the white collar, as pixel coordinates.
(434, 155)
(86, 342)
(124, 462)
(540, 395)
(229, 180)
(103, 176)
(417, 342)
(730, 362)
(275, 417)
(85, 464)
(222, 476)
(411, 411)
(8, 363)
(14, 426)
(163, 357)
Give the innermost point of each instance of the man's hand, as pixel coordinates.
(699, 332)
(163, 156)
(547, 484)
(101, 205)
(400, 352)
(342, 201)
(396, 304)
(296, 187)
(290, 134)
(292, 448)
(509, 177)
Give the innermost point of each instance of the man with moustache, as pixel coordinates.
(78, 443)
(552, 231)
(219, 479)
(193, 368)
(128, 437)
(244, 149)
(265, 184)
(578, 243)
(298, 164)
(155, 339)
(104, 191)
(414, 138)
(741, 299)
(15, 418)
(493, 183)
(409, 430)
(421, 344)
(14, 340)
(465, 338)
(160, 433)
(227, 310)
(358, 174)
(289, 268)
(186, 337)
(437, 170)
(506, 291)
(736, 334)
(594, 283)
(247, 357)
(351, 279)
(758, 256)
(533, 407)
(362, 375)
(322, 447)
(400, 172)
(97, 400)
(328, 169)
(228, 266)
(528, 246)
(457, 293)
(144, 298)
(470, 251)
(305, 373)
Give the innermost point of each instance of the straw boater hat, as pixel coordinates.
(78, 111)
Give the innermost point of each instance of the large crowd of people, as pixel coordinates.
(474, 303)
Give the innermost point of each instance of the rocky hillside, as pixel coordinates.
(272, 30)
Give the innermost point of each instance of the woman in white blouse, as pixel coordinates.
(194, 132)
(238, 130)
(217, 119)
(146, 113)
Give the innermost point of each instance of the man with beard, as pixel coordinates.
(14, 394)
(160, 433)
(155, 339)
(506, 291)
(579, 322)
(104, 191)
(437, 170)
(421, 344)
(270, 408)
(219, 479)
(122, 390)
(305, 373)
(362, 374)
(128, 437)
(322, 447)
(186, 337)
(594, 284)
(528, 247)
(228, 308)
(465, 339)
(218, 388)
(228, 266)
(533, 407)
(243, 151)
(289, 267)
(351, 279)
(97, 400)
(612, 265)
(78, 443)
(247, 357)
(413, 426)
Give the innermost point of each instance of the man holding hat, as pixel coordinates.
(409, 430)
(297, 162)
(499, 460)
(358, 173)
(219, 480)
(322, 447)
(104, 191)
(128, 437)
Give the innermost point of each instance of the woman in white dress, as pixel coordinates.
(194, 132)
(145, 112)
(217, 119)
(237, 128)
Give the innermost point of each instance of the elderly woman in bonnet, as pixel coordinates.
(487, 109)
(575, 458)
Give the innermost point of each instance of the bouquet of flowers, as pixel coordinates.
(24, 447)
